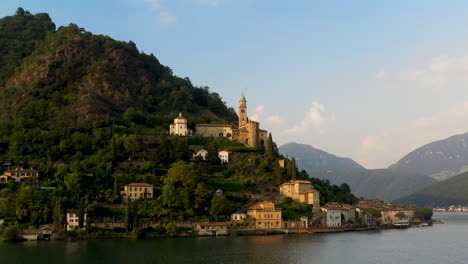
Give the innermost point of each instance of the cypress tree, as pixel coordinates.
(293, 169)
(81, 214)
(270, 148)
(127, 216)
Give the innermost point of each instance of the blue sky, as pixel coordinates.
(369, 80)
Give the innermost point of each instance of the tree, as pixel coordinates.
(400, 215)
(171, 229)
(58, 215)
(128, 216)
(179, 186)
(181, 150)
(270, 151)
(220, 206)
(81, 214)
(293, 169)
(425, 214)
(213, 156)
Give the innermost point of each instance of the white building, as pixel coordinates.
(335, 214)
(179, 128)
(224, 156)
(238, 216)
(73, 216)
(201, 153)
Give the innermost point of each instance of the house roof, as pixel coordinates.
(214, 125)
(213, 224)
(139, 184)
(22, 170)
(309, 191)
(259, 206)
(73, 211)
(239, 212)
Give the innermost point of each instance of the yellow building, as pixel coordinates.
(19, 175)
(265, 215)
(135, 191)
(301, 191)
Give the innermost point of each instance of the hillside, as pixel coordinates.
(384, 184)
(381, 183)
(316, 161)
(55, 83)
(440, 159)
(449, 192)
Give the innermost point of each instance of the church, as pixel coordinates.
(247, 132)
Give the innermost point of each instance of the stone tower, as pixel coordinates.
(243, 118)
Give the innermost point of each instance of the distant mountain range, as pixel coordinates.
(317, 162)
(452, 191)
(440, 159)
(383, 183)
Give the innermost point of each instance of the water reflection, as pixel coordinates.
(444, 243)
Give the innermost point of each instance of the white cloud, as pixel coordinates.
(381, 75)
(441, 73)
(153, 3)
(167, 18)
(210, 2)
(393, 143)
(315, 117)
(274, 120)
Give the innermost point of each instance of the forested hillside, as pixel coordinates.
(68, 85)
(91, 115)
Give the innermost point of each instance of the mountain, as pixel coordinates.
(383, 183)
(448, 192)
(64, 93)
(72, 78)
(315, 161)
(440, 159)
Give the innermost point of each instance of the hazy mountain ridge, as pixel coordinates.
(382, 183)
(441, 159)
(452, 191)
(316, 161)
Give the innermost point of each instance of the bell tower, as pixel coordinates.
(243, 118)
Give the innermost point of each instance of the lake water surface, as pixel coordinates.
(443, 243)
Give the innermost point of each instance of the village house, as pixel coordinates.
(73, 216)
(19, 175)
(212, 229)
(223, 156)
(391, 213)
(265, 215)
(302, 191)
(336, 214)
(180, 127)
(203, 153)
(135, 191)
(238, 216)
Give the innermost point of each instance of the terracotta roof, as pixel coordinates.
(309, 191)
(262, 130)
(258, 206)
(213, 224)
(334, 208)
(302, 181)
(137, 184)
(214, 125)
(21, 169)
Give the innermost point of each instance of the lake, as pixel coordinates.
(442, 243)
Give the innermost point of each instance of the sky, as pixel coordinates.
(369, 80)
